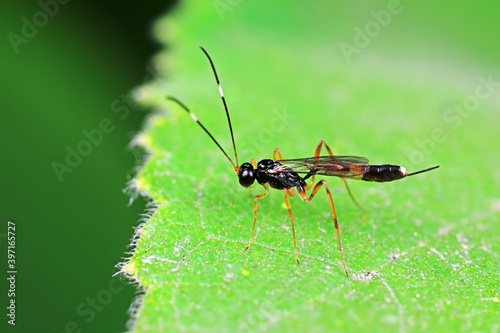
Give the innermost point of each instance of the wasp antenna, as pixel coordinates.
(192, 115)
(421, 171)
(225, 106)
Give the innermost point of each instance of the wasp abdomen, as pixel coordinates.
(384, 173)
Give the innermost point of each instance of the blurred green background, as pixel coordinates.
(73, 73)
(68, 77)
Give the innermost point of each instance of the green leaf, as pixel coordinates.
(424, 254)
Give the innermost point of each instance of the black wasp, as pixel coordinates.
(293, 174)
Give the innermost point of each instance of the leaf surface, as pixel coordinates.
(424, 254)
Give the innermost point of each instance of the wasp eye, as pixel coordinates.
(246, 175)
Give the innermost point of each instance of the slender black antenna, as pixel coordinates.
(425, 170)
(237, 168)
(201, 125)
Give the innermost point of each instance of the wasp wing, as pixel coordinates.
(339, 166)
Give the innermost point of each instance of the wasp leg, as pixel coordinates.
(289, 192)
(317, 154)
(277, 154)
(352, 197)
(260, 196)
(318, 149)
(303, 195)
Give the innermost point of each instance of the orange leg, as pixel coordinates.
(288, 192)
(303, 195)
(277, 154)
(351, 196)
(316, 154)
(260, 196)
(292, 194)
(318, 149)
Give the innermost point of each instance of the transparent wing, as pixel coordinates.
(339, 166)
